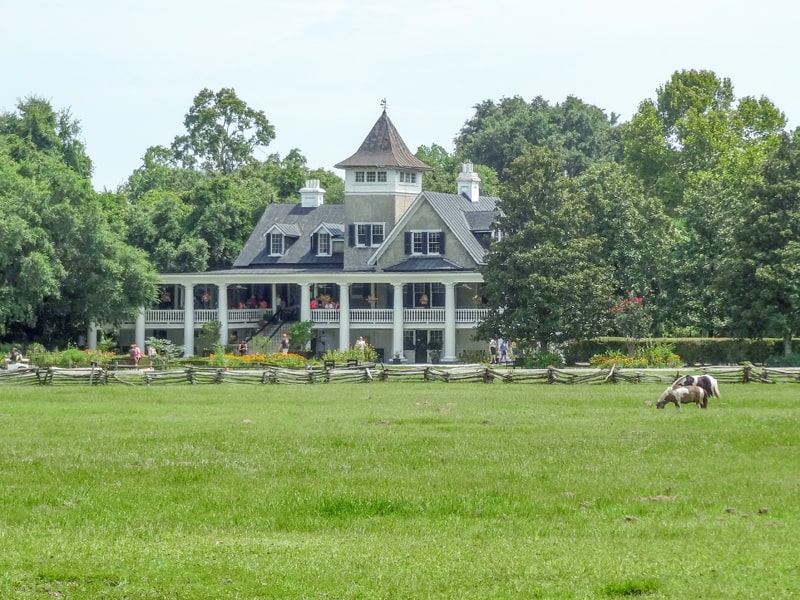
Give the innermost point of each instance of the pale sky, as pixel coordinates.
(318, 69)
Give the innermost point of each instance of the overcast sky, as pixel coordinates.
(318, 69)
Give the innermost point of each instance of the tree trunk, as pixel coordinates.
(787, 344)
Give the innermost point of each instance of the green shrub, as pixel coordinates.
(542, 360)
(368, 354)
(784, 360)
(656, 355)
(473, 356)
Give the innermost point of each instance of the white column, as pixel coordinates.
(188, 319)
(305, 301)
(397, 322)
(344, 316)
(139, 331)
(449, 350)
(91, 336)
(222, 313)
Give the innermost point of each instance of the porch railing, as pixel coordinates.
(422, 316)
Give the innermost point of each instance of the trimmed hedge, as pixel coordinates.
(707, 351)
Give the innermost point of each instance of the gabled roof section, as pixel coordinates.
(462, 216)
(287, 229)
(336, 230)
(298, 223)
(383, 147)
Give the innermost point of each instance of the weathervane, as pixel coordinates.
(383, 104)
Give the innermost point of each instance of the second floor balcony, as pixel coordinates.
(251, 317)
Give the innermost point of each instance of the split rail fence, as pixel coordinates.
(367, 373)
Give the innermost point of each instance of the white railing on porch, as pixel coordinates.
(423, 315)
(371, 315)
(248, 315)
(471, 315)
(163, 317)
(155, 317)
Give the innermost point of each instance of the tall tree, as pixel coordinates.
(765, 276)
(636, 235)
(222, 132)
(65, 261)
(695, 125)
(500, 132)
(544, 277)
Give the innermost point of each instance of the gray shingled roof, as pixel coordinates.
(300, 222)
(465, 217)
(383, 147)
(425, 264)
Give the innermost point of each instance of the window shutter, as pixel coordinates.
(351, 234)
(314, 243)
(441, 243)
(408, 242)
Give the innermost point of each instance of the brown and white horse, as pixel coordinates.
(683, 394)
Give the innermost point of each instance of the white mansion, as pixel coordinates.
(393, 263)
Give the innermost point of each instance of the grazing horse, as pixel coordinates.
(707, 382)
(683, 394)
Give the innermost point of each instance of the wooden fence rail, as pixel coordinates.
(378, 372)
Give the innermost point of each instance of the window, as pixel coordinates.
(418, 239)
(370, 176)
(425, 242)
(434, 242)
(276, 244)
(408, 177)
(323, 244)
(368, 234)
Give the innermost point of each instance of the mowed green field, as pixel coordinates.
(398, 490)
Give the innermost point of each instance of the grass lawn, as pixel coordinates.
(397, 490)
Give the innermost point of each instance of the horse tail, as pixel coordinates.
(714, 387)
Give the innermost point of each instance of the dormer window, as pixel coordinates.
(276, 244)
(323, 243)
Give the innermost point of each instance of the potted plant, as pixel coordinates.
(435, 351)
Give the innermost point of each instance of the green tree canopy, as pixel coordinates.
(765, 276)
(695, 125)
(63, 258)
(544, 278)
(222, 132)
(500, 132)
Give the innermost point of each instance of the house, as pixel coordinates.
(394, 263)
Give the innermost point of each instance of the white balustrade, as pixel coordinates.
(155, 317)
